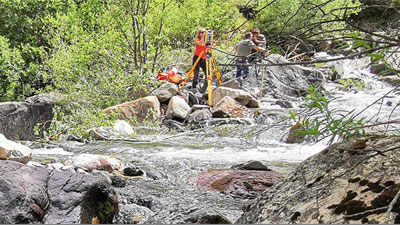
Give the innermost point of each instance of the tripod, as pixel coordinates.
(210, 63)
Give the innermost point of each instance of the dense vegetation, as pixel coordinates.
(92, 51)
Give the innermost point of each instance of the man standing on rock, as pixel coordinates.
(259, 40)
(243, 49)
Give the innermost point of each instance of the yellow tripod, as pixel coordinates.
(210, 63)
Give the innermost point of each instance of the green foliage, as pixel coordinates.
(25, 25)
(319, 121)
(303, 19)
(74, 120)
(11, 64)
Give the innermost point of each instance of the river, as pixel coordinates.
(174, 158)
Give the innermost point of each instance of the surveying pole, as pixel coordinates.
(211, 63)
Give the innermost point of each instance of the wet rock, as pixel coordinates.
(223, 121)
(244, 184)
(380, 68)
(133, 214)
(37, 195)
(253, 104)
(200, 116)
(293, 136)
(174, 124)
(118, 181)
(132, 172)
(251, 165)
(208, 216)
(284, 104)
(390, 79)
(351, 188)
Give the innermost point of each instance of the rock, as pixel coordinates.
(194, 98)
(233, 83)
(286, 82)
(177, 107)
(340, 185)
(253, 104)
(133, 214)
(251, 165)
(118, 181)
(228, 107)
(200, 116)
(390, 79)
(147, 108)
(96, 162)
(173, 124)
(200, 107)
(284, 104)
(293, 136)
(122, 127)
(208, 216)
(244, 184)
(132, 172)
(37, 195)
(166, 91)
(18, 119)
(380, 68)
(14, 151)
(239, 95)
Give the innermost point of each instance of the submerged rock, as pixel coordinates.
(244, 184)
(345, 183)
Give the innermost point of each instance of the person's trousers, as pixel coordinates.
(202, 64)
(242, 70)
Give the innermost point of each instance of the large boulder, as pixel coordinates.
(18, 119)
(177, 108)
(284, 82)
(239, 95)
(14, 151)
(37, 195)
(353, 182)
(166, 91)
(147, 108)
(228, 107)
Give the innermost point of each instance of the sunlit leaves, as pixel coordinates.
(319, 121)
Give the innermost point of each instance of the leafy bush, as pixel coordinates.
(11, 64)
(303, 19)
(319, 121)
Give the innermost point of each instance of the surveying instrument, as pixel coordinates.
(210, 63)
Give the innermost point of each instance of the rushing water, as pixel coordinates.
(175, 158)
